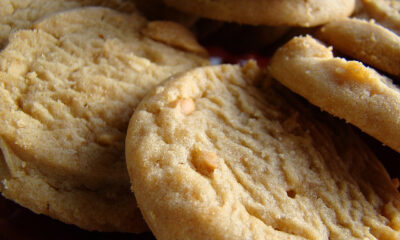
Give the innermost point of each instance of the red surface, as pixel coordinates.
(225, 57)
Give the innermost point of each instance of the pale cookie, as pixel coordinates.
(67, 91)
(346, 89)
(212, 157)
(20, 14)
(365, 41)
(268, 12)
(385, 12)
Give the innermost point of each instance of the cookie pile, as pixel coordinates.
(117, 123)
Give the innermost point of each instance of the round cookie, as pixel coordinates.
(385, 12)
(268, 12)
(15, 15)
(211, 156)
(68, 88)
(365, 41)
(346, 89)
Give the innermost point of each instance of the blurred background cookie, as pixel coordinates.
(385, 12)
(20, 14)
(269, 13)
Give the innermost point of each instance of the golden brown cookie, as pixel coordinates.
(211, 156)
(346, 89)
(67, 90)
(20, 14)
(268, 12)
(368, 42)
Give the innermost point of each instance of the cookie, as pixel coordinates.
(175, 35)
(68, 88)
(346, 89)
(211, 156)
(270, 13)
(385, 12)
(15, 15)
(368, 42)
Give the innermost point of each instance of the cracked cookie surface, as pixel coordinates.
(211, 156)
(68, 88)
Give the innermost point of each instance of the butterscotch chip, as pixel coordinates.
(365, 41)
(67, 90)
(21, 14)
(187, 106)
(346, 89)
(267, 12)
(204, 162)
(252, 164)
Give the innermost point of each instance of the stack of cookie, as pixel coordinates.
(112, 122)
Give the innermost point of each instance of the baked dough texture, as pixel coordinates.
(68, 88)
(368, 42)
(268, 12)
(212, 157)
(346, 89)
(21, 14)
